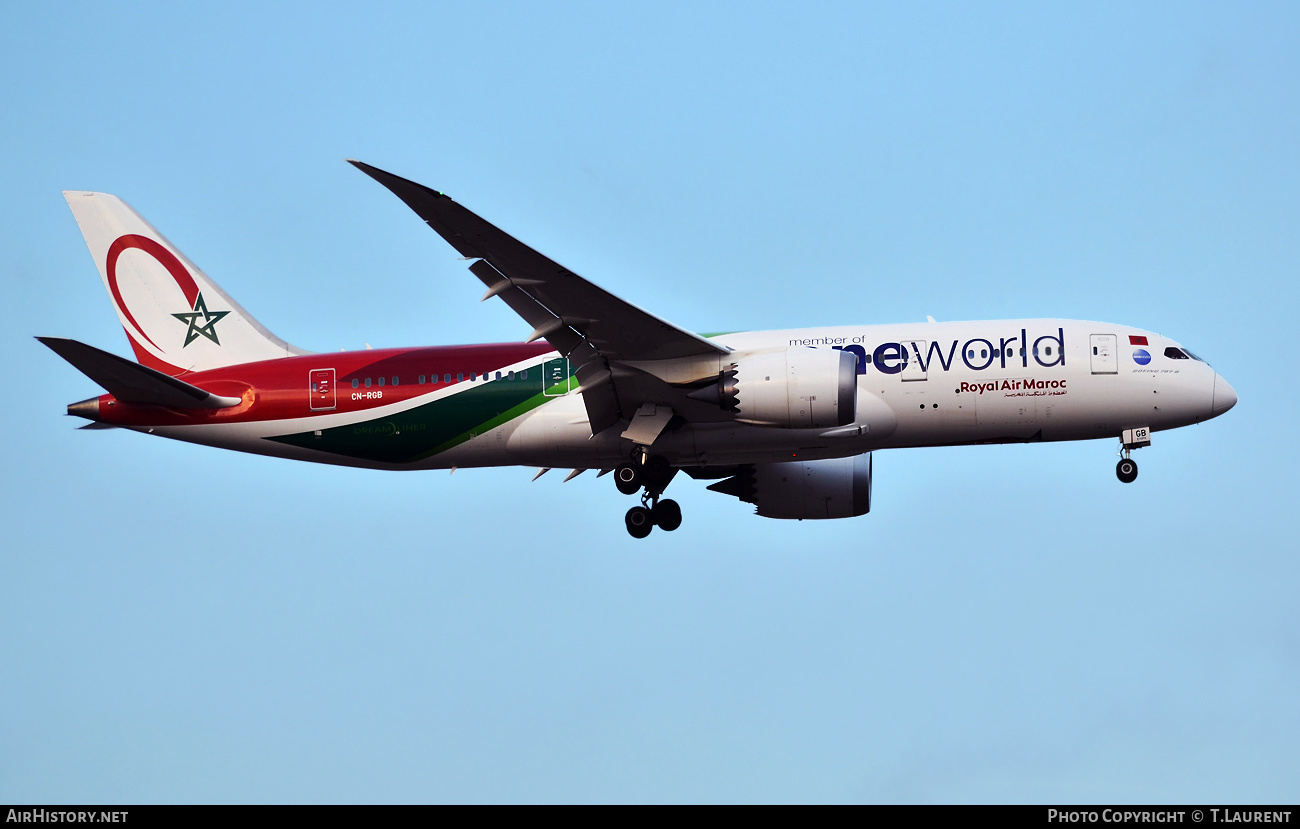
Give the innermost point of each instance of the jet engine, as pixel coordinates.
(835, 488)
(802, 388)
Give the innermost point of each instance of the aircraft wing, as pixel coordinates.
(584, 322)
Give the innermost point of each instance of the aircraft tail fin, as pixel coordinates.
(177, 319)
(131, 382)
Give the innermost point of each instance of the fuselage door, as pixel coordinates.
(913, 352)
(1104, 358)
(555, 377)
(321, 389)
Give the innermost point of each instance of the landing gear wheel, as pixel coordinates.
(639, 523)
(627, 478)
(1127, 470)
(667, 515)
(656, 474)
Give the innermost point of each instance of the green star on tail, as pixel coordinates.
(210, 319)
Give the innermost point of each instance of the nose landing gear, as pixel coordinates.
(1127, 469)
(653, 473)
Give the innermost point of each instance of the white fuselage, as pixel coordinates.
(925, 384)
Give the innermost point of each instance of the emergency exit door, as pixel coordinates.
(1104, 358)
(913, 360)
(555, 377)
(321, 389)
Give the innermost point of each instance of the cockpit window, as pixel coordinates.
(1181, 354)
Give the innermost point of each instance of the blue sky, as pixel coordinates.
(180, 624)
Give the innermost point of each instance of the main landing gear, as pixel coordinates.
(651, 472)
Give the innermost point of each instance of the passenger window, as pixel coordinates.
(367, 382)
(1049, 351)
(970, 354)
(421, 379)
(381, 382)
(355, 382)
(984, 353)
(460, 378)
(523, 375)
(498, 375)
(394, 379)
(510, 375)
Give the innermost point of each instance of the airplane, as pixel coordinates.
(786, 420)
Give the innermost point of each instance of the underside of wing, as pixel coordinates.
(597, 331)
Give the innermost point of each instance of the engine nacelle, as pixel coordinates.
(835, 488)
(800, 388)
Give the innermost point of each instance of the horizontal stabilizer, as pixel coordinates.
(133, 383)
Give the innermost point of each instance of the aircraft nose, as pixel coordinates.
(1225, 396)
